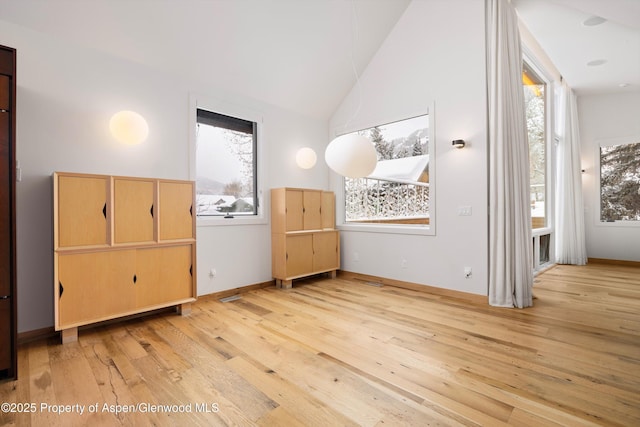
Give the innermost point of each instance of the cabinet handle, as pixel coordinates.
(60, 289)
(135, 278)
(191, 270)
(191, 210)
(286, 256)
(104, 210)
(151, 211)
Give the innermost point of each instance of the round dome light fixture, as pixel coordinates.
(351, 155)
(306, 158)
(129, 127)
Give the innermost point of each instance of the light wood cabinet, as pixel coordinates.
(304, 240)
(176, 210)
(83, 204)
(133, 210)
(132, 249)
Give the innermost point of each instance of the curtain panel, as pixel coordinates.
(570, 235)
(510, 239)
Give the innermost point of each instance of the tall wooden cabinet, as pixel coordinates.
(122, 246)
(304, 240)
(8, 306)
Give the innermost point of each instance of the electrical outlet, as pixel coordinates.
(464, 210)
(213, 273)
(403, 263)
(467, 272)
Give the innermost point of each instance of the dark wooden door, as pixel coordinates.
(7, 215)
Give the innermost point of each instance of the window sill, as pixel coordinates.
(618, 224)
(424, 230)
(222, 221)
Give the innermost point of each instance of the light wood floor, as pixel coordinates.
(342, 352)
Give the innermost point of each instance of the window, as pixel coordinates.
(535, 108)
(620, 182)
(226, 165)
(398, 191)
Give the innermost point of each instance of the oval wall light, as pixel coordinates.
(351, 155)
(306, 158)
(129, 127)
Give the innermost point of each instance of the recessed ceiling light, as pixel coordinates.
(623, 85)
(596, 62)
(592, 21)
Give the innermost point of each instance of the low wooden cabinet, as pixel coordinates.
(122, 245)
(304, 240)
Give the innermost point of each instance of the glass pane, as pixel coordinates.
(620, 182)
(225, 171)
(534, 98)
(397, 191)
(545, 240)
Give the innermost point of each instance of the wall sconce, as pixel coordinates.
(129, 127)
(306, 158)
(458, 143)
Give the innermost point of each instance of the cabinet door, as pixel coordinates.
(95, 286)
(312, 202)
(176, 210)
(82, 210)
(299, 255)
(294, 210)
(326, 251)
(164, 275)
(328, 210)
(5, 334)
(133, 208)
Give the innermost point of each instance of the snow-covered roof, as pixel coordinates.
(405, 169)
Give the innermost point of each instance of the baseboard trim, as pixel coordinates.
(474, 298)
(614, 262)
(237, 291)
(36, 334)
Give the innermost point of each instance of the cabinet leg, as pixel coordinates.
(333, 274)
(69, 335)
(184, 309)
(287, 284)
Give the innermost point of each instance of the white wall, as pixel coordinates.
(66, 95)
(604, 118)
(435, 53)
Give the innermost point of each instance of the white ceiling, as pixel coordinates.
(297, 53)
(292, 53)
(558, 27)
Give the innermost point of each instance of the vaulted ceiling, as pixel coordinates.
(291, 53)
(301, 54)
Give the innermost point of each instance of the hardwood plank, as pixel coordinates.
(341, 352)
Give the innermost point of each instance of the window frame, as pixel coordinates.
(339, 184)
(551, 138)
(217, 106)
(597, 218)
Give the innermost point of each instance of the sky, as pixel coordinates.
(213, 158)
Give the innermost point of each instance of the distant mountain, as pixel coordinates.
(406, 143)
(209, 186)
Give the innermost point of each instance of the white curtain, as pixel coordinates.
(570, 237)
(510, 241)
